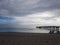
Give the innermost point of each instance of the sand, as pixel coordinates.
(15, 38)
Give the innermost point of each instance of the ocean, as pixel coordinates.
(26, 30)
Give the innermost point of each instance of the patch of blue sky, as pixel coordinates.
(6, 18)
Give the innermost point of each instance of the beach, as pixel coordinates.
(18, 38)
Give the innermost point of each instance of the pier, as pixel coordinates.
(53, 29)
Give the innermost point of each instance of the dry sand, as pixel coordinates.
(29, 39)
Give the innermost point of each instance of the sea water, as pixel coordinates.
(27, 30)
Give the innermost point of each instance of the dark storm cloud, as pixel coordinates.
(25, 7)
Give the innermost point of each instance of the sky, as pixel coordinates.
(29, 13)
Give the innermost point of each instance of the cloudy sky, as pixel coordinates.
(27, 13)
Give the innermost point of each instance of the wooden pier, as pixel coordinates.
(53, 29)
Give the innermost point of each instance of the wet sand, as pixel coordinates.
(15, 38)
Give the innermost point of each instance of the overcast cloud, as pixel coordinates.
(31, 12)
(26, 7)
